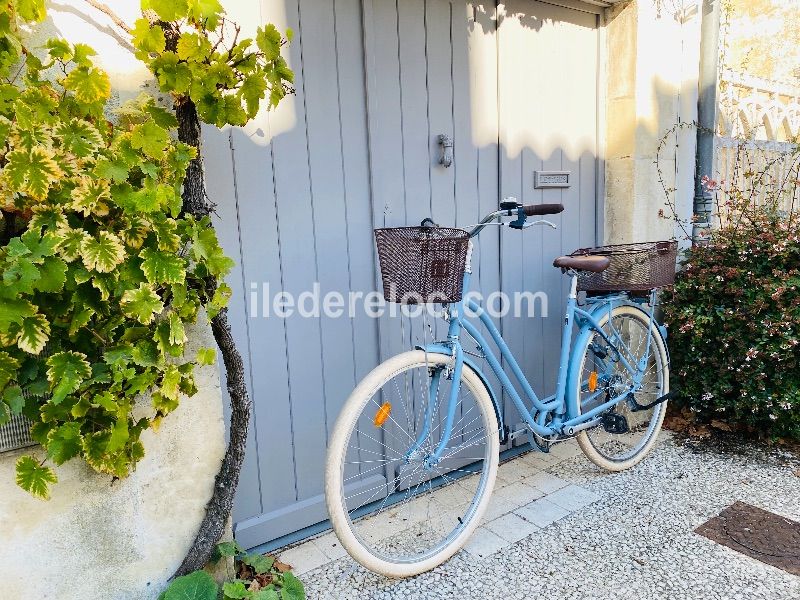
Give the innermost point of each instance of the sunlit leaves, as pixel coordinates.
(227, 79)
(89, 84)
(151, 139)
(35, 478)
(206, 356)
(162, 267)
(30, 10)
(206, 248)
(66, 370)
(141, 304)
(101, 271)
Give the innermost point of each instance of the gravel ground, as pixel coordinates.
(636, 542)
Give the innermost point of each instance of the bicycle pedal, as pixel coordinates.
(615, 423)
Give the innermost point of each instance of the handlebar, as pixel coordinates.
(511, 208)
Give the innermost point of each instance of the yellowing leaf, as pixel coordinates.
(34, 333)
(135, 231)
(91, 197)
(169, 10)
(70, 242)
(79, 137)
(31, 10)
(102, 253)
(205, 10)
(170, 384)
(35, 478)
(142, 303)
(32, 171)
(148, 38)
(90, 84)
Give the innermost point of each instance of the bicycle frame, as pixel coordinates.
(556, 415)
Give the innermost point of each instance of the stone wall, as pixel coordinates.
(97, 538)
(651, 84)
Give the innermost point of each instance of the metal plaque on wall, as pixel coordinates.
(551, 179)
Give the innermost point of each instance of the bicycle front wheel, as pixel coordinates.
(604, 376)
(396, 508)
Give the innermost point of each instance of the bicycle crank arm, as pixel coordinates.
(639, 407)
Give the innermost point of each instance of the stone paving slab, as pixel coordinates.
(598, 536)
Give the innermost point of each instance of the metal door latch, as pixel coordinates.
(446, 142)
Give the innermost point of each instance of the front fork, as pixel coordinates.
(417, 451)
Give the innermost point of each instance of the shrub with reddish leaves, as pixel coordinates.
(734, 325)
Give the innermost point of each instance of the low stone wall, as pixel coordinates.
(97, 539)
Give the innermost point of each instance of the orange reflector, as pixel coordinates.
(592, 381)
(382, 414)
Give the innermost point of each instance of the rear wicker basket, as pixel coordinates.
(634, 267)
(422, 264)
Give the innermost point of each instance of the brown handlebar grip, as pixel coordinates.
(534, 210)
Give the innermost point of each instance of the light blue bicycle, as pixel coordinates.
(414, 454)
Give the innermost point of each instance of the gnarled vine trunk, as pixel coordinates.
(197, 203)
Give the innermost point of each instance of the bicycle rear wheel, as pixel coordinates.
(603, 376)
(397, 511)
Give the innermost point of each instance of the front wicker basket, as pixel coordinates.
(634, 267)
(422, 264)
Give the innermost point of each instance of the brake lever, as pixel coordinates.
(539, 222)
(545, 222)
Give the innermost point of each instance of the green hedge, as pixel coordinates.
(734, 326)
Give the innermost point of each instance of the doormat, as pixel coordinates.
(757, 533)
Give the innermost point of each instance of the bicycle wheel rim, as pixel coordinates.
(644, 425)
(391, 528)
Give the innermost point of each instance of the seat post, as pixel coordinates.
(573, 285)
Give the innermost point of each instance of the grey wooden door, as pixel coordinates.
(300, 190)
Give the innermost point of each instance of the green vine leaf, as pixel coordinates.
(142, 304)
(195, 586)
(12, 396)
(100, 266)
(35, 478)
(91, 85)
(162, 267)
(66, 370)
(8, 368)
(64, 442)
(292, 588)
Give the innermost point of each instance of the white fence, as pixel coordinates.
(756, 144)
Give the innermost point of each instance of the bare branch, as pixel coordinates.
(111, 14)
